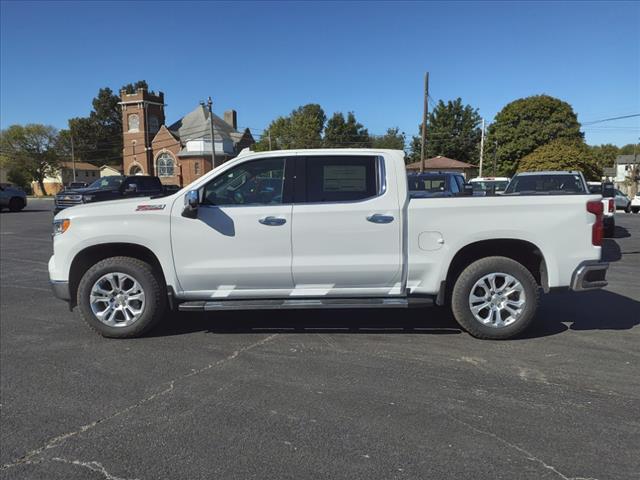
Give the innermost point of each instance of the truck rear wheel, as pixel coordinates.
(121, 297)
(495, 298)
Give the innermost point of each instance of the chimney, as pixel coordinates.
(231, 117)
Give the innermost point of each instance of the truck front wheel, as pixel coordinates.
(121, 297)
(495, 298)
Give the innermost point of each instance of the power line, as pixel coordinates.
(612, 119)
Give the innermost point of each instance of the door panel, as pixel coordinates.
(229, 248)
(345, 247)
(240, 242)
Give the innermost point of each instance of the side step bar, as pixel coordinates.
(301, 303)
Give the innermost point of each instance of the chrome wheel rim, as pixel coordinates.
(117, 299)
(497, 300)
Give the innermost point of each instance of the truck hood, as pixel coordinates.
(85, 191)
(120, 206)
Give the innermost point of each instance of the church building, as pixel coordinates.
(181, 152)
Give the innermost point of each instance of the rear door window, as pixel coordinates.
(338, 179)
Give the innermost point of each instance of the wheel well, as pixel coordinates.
(88, 257)
(521, 251)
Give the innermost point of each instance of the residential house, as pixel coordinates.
(84, 172)
(444, 164)
(624, 173)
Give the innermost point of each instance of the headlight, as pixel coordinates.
(60, 226)
(87, 198)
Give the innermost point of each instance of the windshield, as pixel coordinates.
(560, 184)
(596, 189)
(107, 183)
(489, 185)
(431, 183)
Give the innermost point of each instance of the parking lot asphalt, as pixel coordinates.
(359, 394)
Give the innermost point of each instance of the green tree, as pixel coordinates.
(526, 124)
(31, 150)
(629, 149)
(394, 139)
(453, 130)
(345, 133)
(98, 137)
(302, 128)
(562, 154)
(605, 154)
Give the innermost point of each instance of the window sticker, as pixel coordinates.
(344, 178)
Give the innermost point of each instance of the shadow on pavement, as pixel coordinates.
(621, 232)
(610, 251)
(418, 320)
(595, 310)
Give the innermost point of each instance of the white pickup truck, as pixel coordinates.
(322, 229)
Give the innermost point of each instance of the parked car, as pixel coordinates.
(489, 185)
(437, 184)
(110, 188)
(73, 185)
(337, 230)
(622, 201)
(635, 203)
(607, 191)
(12, 197)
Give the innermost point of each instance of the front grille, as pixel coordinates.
(64, 201)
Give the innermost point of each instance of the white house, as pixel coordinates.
(623, 171)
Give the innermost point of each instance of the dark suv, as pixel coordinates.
(437, 184)
(110, 188)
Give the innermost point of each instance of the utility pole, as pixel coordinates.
(634, 170)
(425, 111)
(269, 140)
(214, 163)
(481, 148)
(495, 154)
(73, 157)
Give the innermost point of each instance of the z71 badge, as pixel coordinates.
(146, 208)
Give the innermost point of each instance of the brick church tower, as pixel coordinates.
(142, 117)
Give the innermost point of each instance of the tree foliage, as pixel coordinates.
(98, 138)
(302, 128)
(394, 139)
(345, 133)
(31, 150)
(562, 154)
(526, 124)
(453, 130)
(605, 154)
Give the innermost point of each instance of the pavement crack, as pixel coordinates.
(529, 455)
(93, 466)
(28, 457)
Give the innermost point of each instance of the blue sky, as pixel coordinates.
(264, 59)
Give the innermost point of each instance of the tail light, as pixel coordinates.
(596, 207)
(611, 205)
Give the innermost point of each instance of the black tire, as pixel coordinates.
(154, 291)
(627, 209)
(466, 281)
(16, 204)
(635, 209)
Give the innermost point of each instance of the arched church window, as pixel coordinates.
(134, 122)
(165, 165)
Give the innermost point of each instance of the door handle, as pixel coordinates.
(379, 218)
(272, 221)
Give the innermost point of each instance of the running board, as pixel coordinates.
(301, 303)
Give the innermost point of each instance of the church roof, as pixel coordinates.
(197, 124)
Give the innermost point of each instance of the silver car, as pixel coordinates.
(622, 201)
(12, 197)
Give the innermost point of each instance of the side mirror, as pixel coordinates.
(191, 201)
